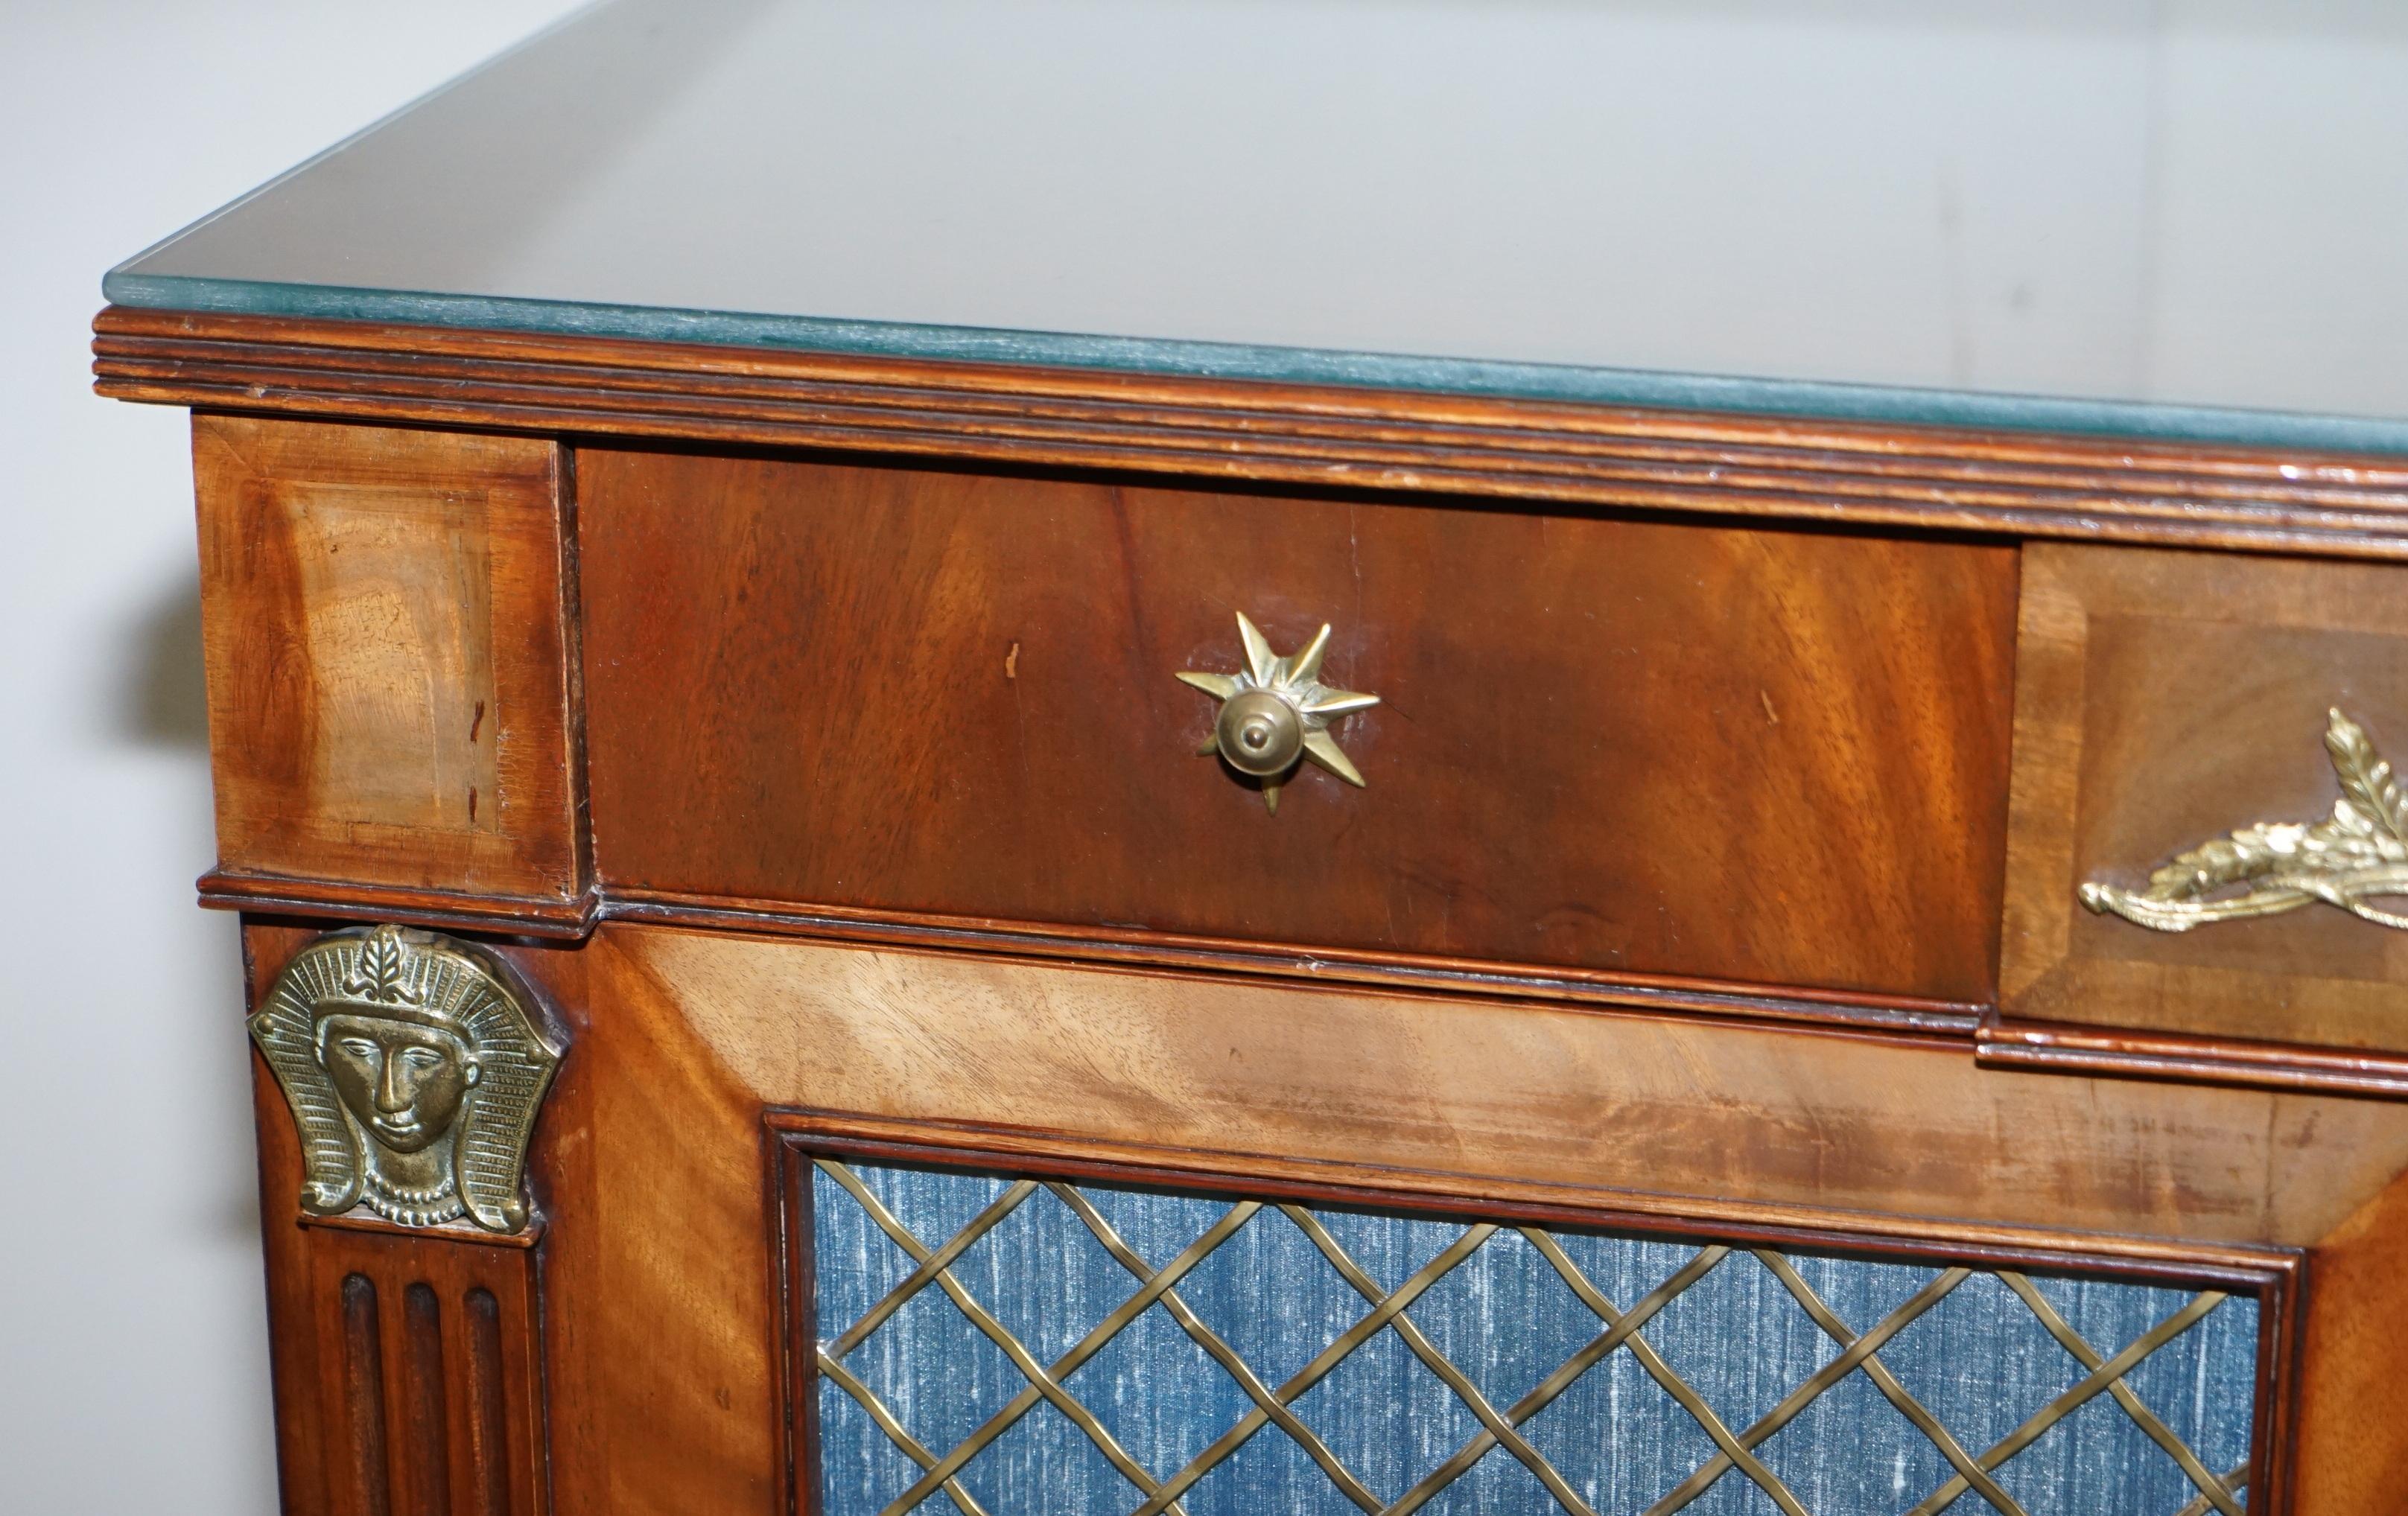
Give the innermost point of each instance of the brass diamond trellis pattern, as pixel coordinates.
(1619, 1329)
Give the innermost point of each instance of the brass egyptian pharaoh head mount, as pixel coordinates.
(414, 1065)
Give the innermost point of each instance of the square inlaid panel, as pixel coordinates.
(388, 649)
(2165, 700)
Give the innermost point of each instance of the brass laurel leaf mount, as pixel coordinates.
(1276, 714)
(2359, 853)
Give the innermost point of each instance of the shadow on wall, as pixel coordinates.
(161, 705)
(165, 702)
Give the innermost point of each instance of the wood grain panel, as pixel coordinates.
(2164, 699)
(659, 1282)
(2352, 1406)
(1763, 755)
(387, 622)
(1711, 1121)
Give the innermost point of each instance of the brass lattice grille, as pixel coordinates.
(1618, 1330)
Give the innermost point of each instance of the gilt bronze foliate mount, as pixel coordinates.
(1276, 714)
(2357, 854)
(414, 1065)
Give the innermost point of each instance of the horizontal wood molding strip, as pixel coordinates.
(1999, 1042)
(1386, 970)
(518, 916)
(1927, 478)
(2062, 1048)
(223, 891)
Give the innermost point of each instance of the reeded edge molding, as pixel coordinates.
(512, 915)
(1147, 357)
(2249, 1266)
(1330, 435)
(2068, 1048)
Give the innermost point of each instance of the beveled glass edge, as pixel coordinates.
(1648, 389)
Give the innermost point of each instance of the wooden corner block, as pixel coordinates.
(389, 624)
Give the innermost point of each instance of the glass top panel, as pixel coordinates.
(2172, 218)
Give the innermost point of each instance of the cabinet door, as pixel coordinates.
(844, 1229)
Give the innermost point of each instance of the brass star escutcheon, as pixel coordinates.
(1275, 712)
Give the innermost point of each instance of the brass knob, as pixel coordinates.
(1276, 711)
(1260, 734)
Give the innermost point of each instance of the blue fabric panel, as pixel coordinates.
(1980, 1359)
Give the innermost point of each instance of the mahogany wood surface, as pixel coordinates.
(1920, 478)
(386, 617)
(1709, 1121)
(1871, 1143)
(2348, 1433)
(2164, 699)
(1771, 756)
(659, 1279)
(428, 1373)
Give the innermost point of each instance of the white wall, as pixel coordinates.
(133, 1333)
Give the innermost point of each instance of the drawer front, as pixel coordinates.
(2166, 702)
(1765, 755)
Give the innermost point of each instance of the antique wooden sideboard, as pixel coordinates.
(850, 906)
